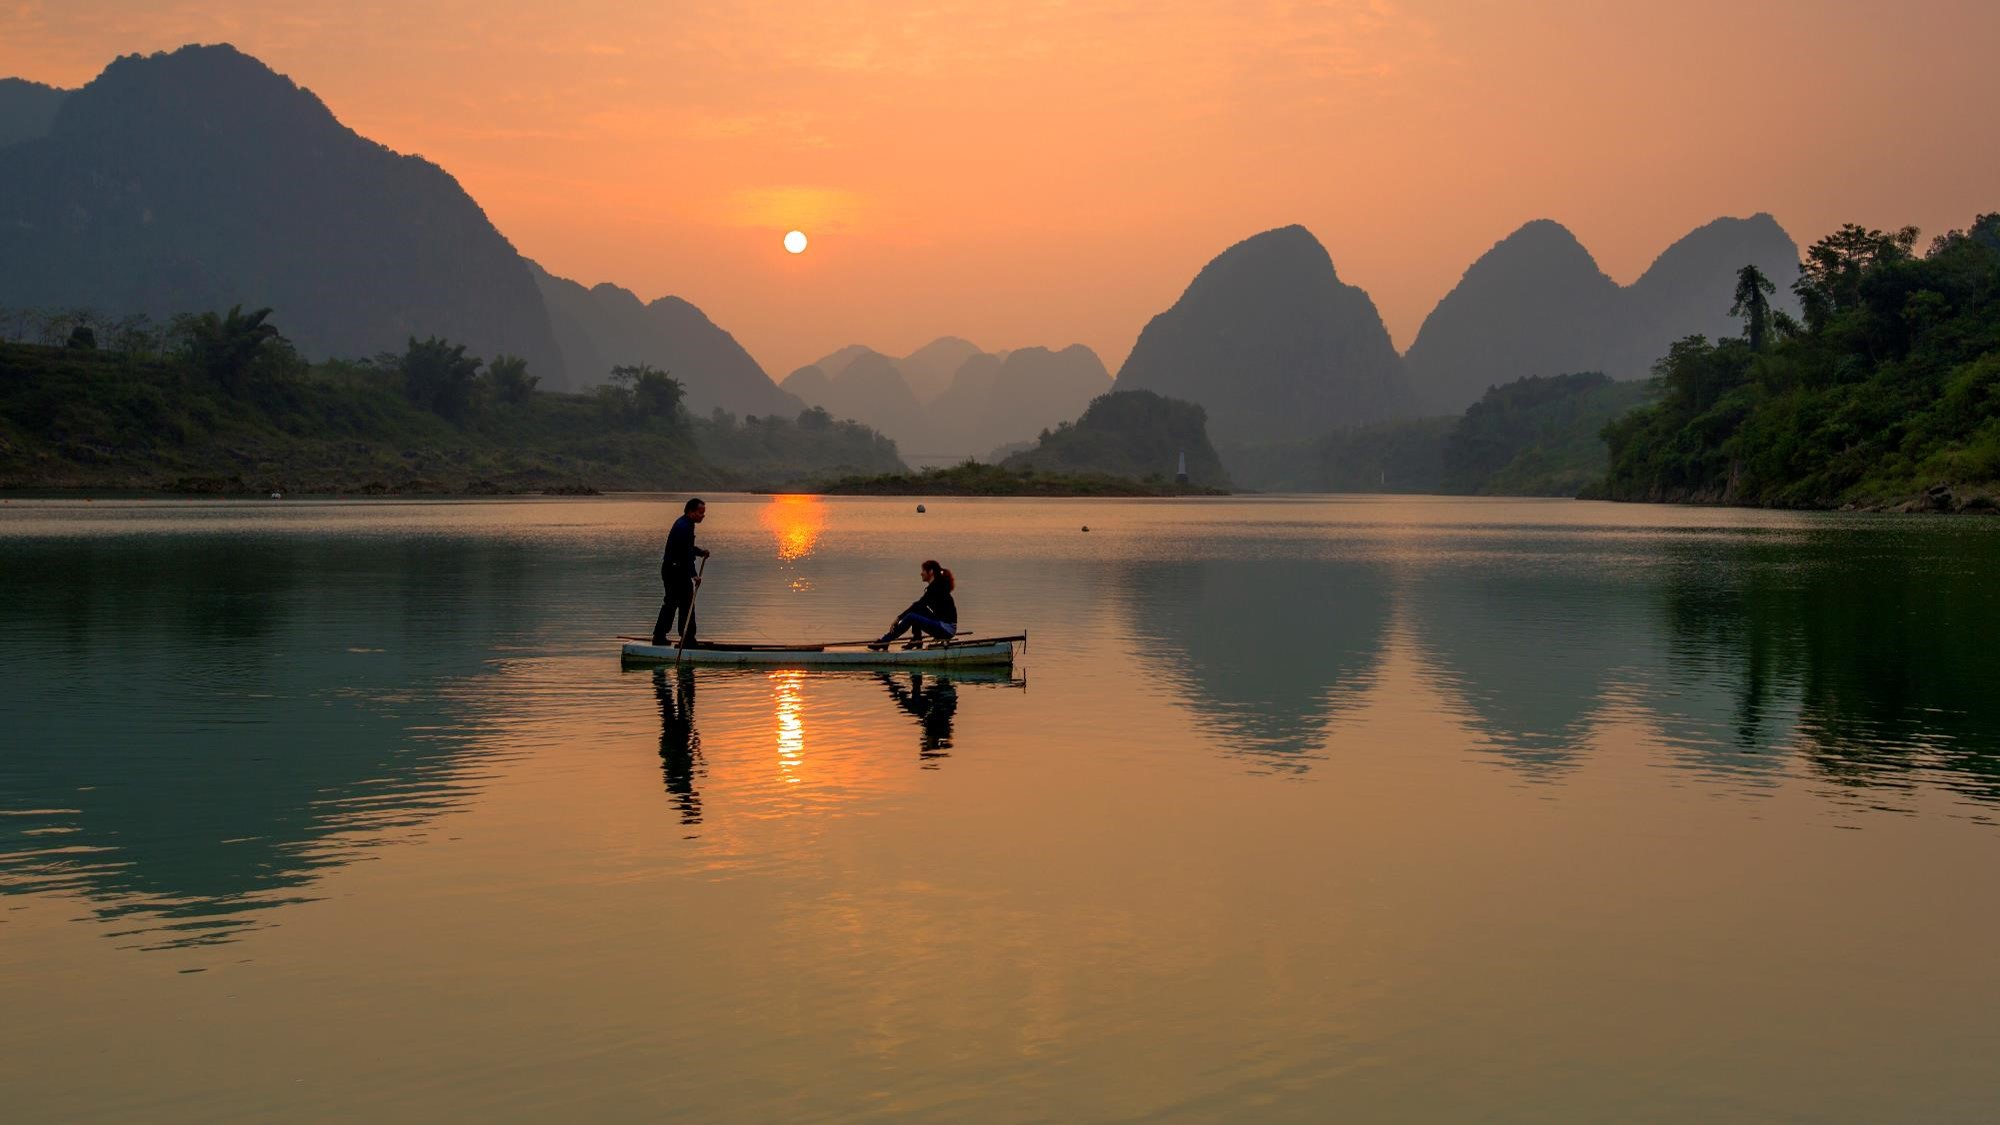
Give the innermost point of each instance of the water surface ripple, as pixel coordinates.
(1295, 808)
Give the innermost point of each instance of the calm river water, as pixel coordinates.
(1294, 809)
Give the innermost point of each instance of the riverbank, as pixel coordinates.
(1939, 499)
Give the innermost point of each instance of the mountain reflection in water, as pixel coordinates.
(1878, 666)
(200, 726)
(1868, 656)
(1267, 652)
(218, 727)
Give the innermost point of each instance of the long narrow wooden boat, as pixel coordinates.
(965, 651)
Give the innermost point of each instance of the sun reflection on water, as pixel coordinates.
(797, 522)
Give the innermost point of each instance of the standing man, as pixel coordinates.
(677, 572)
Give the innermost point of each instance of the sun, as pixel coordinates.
(795, 241)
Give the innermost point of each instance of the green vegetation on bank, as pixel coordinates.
(222, 403)
(1887, 394)
(1134, 434)
(1538, 436)
(1127, 443)
(973, 478)
(1404, 456)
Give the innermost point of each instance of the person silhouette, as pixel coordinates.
(679, 574)
(934, 704)
(680, 743)
(934, 614)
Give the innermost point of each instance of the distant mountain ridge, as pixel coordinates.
(1013, 396)
(988, 400)
(1273, 344)
(606, 326)
(1537, 304)
(930, 369)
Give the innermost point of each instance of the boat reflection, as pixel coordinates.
(933, 702)
(842, 738)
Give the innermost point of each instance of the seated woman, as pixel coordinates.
(934, 614)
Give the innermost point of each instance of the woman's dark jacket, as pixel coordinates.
(936, 603)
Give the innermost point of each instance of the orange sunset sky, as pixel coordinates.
(1049, 173)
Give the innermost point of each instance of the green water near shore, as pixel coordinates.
(1406, 809)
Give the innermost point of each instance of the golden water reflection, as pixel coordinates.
(797, 522)
(791, 723)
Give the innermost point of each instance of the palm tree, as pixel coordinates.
(1752, 303)
(227, 348)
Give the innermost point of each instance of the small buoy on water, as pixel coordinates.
(920, 509)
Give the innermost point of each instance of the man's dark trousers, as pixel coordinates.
(679, 601)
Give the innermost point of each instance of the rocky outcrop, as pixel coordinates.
(1535, 304)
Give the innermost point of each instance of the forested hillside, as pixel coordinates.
(223, 403)
(1888, 392)
(1135, 434)
(1539, 436)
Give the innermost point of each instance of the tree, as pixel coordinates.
(440, 377)
(1694, 375)
(135, 335)
(1830, 276)
(510, 379)
(652, 392)
(59, 328)
(241, 352)
(1752, 304)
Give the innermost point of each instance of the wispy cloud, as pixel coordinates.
(807, 206)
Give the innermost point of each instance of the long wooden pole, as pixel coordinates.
(687, 622)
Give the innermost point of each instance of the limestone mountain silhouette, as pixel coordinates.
(1537, 304)
(199, 179)
(1273, 344)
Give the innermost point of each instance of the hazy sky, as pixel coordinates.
(1049, 172)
